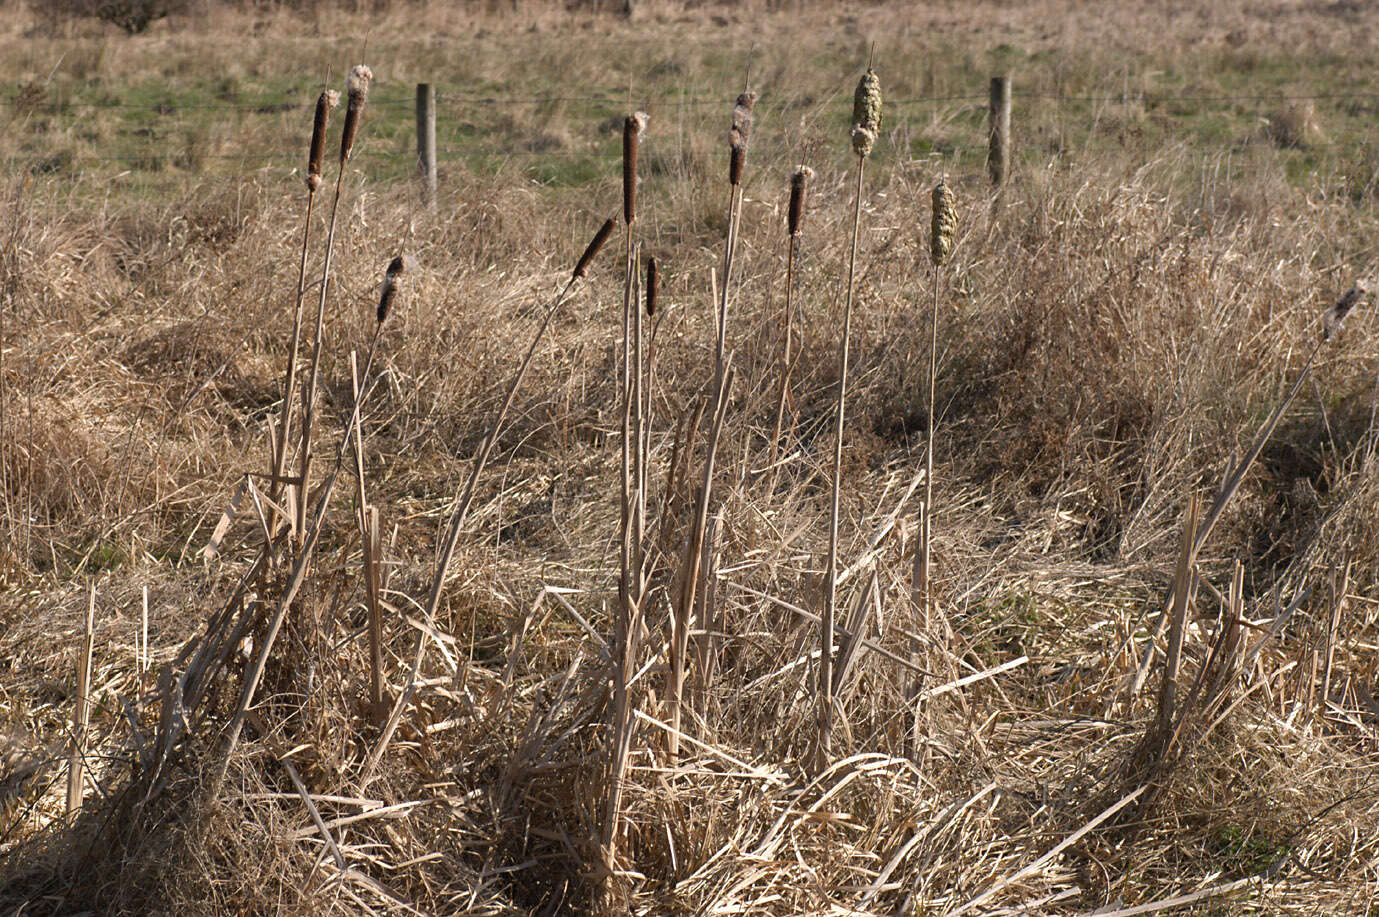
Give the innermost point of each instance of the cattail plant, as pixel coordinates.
(631, 581)
(943, 226)
(357, 92)
(310, 533)
(739, 137)
(794, 225)
(460, 514)
(315, 154)
(370, 533)
(866, 127)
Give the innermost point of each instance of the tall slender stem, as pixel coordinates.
(831, 571)
(309, 394)
(785, 363)
(290, 379)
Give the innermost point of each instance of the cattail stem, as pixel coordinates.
(924, 578)
(831, 568)
(786, 362)
(294, 351)
(314, 365)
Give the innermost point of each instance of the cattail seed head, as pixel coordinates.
(357, 88)
(631, 140)
(799, 186)
(1337, 313)
(392, 282)
(944, 224)
(590, 252)
(651, 287)
(740, 136)
(866, 113)
(327, 100)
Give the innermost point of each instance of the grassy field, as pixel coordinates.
(1191, 190)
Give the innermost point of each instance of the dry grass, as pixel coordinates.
(1112, 338)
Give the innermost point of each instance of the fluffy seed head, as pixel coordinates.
(631, 141)
(590, 252)
(651, 287)
(392, 282)
(944, 224)
(1337, 313)
(799, 187)
(740, 136)
(866, 113)
(327, 100)
(357, 88)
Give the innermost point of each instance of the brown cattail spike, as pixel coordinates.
(944, 224)
(740, 136)
(799, 187)
(591, 252)
(631, 141)
(866, 113)
(357, 88)
(392, 282)
(651, 287)
(1337, 313)
(327, 100)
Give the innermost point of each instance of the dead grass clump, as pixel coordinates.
(1294, 126)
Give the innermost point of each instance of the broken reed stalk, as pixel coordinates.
(943, 225)
(81, 716)
(1331, 324)
(315, 154)
(799, 188)
(311, 533)
(357, 90)
(455, 525)
(866, 125)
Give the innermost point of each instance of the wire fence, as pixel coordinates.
(166, 111)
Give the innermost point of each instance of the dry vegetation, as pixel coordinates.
(1111, 339)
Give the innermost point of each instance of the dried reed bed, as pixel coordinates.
(1105, 351)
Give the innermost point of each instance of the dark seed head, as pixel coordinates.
(651, 287)
(392, 282)
(327, 100)
(357, 88)
(799, 187)
(591, 251)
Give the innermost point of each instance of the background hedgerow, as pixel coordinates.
(1190, 191)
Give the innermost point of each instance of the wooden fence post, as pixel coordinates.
(426, 142)
(998, 149)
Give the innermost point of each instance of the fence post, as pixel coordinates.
(998, 149)
(426, 142)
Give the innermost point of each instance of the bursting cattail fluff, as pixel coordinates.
(357, 88)
(327, 100)
(651, 287)
(740, 136)
(631, 140)
(799, 187)
(392, 282)
(592, 250)
(1337, 313)
(944, 224)
(866, 113)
